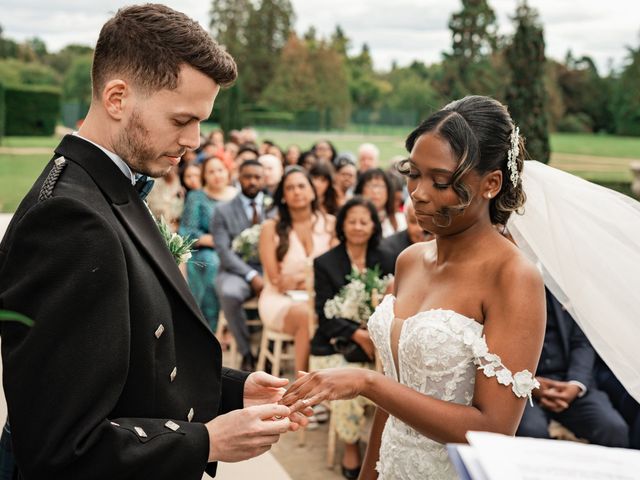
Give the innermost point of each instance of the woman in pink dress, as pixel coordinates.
(288, 245)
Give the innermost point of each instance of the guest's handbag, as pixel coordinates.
(352, 352)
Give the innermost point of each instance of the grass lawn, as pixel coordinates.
(17, 174)
(595, 157)
(596, 145)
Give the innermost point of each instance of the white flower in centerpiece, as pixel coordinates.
(523, 383)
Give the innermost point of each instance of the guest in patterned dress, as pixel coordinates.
(199, 207)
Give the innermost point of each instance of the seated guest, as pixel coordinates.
(567, 392)
(292, 155)
(368, 157)
(397, 242)
(376, 186)
(239, 279)
(307, 160)
(321, 176)
(199, 207)
(345, 176)
(359, 232)
(288, 245)
(191, 178)
(166, 199)
(272, 172)
(324, 151)
(624, 403)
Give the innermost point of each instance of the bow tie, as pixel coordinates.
(143, 186)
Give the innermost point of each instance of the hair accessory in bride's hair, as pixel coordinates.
(512, 156)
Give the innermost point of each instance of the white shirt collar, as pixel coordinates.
(247, 201)
(121, 164)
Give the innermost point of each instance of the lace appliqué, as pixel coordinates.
(522, 383)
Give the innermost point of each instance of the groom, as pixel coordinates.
(120, 375)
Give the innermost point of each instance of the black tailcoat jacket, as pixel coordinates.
(120, 371)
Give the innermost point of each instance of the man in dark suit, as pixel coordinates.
(397, 242)
(120, 376)
(239, 280)
(567, 390)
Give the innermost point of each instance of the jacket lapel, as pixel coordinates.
(131, 211)
(239, 215)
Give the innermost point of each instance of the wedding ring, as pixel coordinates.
(305, 402)
(277, 417)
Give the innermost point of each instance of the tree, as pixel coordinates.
(62, 60)
(468, 68)
(269, 27)
(76, 85)
(627, 96)
(228, 25)
(310, 80)
(8, 48)
(339, 41)
(526, 94)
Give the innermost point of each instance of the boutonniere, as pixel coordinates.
(180, 247)
(267, 201)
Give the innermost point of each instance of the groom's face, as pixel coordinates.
(159, 127)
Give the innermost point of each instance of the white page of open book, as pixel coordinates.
(516, 458)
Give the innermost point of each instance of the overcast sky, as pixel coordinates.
(400, 30)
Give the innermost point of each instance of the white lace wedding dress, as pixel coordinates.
(438, 352)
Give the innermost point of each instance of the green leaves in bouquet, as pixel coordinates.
(372, 280)
(7, 316)
(180, 247)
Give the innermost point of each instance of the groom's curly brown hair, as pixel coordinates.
(147, 44)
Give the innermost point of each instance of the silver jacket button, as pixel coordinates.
(159, 331)
(172, 425)
(190, 414)
(141, 433)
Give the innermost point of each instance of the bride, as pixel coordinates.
(462, 333)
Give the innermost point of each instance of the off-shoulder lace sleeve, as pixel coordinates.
(522, 383)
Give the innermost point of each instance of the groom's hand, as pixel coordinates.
(261, 388)
(247, 433)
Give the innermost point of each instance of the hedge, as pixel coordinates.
(31, 110)
(2, 111)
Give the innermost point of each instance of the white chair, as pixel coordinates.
(235, 357)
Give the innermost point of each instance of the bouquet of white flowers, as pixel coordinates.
(358, 298)
(246, 244)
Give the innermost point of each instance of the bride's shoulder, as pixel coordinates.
(411, 255)
(516, 273)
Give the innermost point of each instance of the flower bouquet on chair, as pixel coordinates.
(356, 301)
(246, 244)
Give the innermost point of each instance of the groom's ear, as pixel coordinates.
(491, 184)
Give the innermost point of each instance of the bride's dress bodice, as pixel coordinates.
(439, 352)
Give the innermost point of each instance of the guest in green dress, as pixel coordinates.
(202, 268)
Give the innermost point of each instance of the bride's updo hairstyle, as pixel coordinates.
(479, 130)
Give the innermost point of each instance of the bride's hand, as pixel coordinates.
(327, 384)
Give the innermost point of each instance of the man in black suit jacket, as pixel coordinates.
(567, 390)
(120, 376)
(238, 280)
